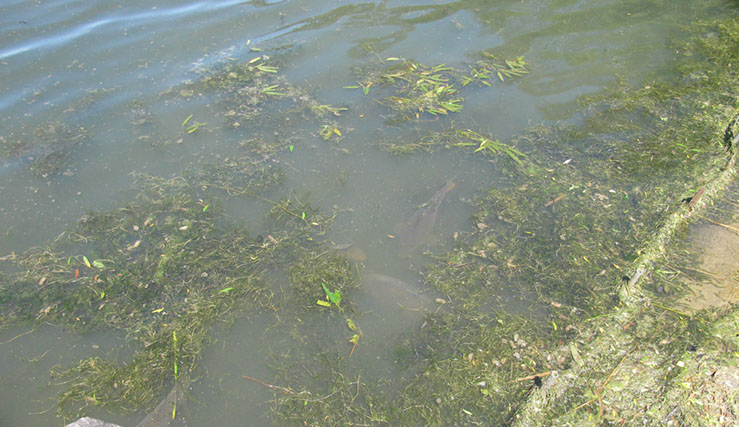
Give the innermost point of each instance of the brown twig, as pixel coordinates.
(551, 202)
(269, 307)
(355, 343)
(734, 229)
(18, 336)
(531, 377)
(696, 197)
(462, 264)
(695, 269)
(274, 387)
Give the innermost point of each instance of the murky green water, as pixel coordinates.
(127, 73)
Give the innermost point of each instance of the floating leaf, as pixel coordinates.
(102, 294)
(187, 120)
(291, 147)
(195, 127)
(98, 264)
(336, 298)
(270, 90)
(205, 208)
(224, 290)
(351, 325)
(267, 69)
(323, 303)
(158, 310)
(86, 261)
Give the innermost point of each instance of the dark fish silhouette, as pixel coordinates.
(417, 231)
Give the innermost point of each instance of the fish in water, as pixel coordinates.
(389, 291)
(162, 415)
(417, 231)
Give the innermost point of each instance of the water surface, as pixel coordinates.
(118, 69)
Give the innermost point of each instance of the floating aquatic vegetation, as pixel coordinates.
(330, 132)
(420, 89)
(244, 90)
(490, 68)
(325, 394)
(309, 275)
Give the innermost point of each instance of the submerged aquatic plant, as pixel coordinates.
(454, 138)
(562, 236)
(153, 270)
(49, 151)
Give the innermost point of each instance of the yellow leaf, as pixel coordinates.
(323, 303)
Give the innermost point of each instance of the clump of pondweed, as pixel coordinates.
(570, 227)
(260, 149)
(467, 367)
(48, 151)
(165, 263)
(420, 89)
(324, 393)
(490, 67)
(118, 267)
(314, 270)
(236, 176)
(245, 89)
(464, 139)
(543, 237)
(479, 367)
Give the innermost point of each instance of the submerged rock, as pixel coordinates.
(90, 422)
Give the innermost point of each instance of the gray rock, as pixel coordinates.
(90, 422)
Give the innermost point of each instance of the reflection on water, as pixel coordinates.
(125, 73)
